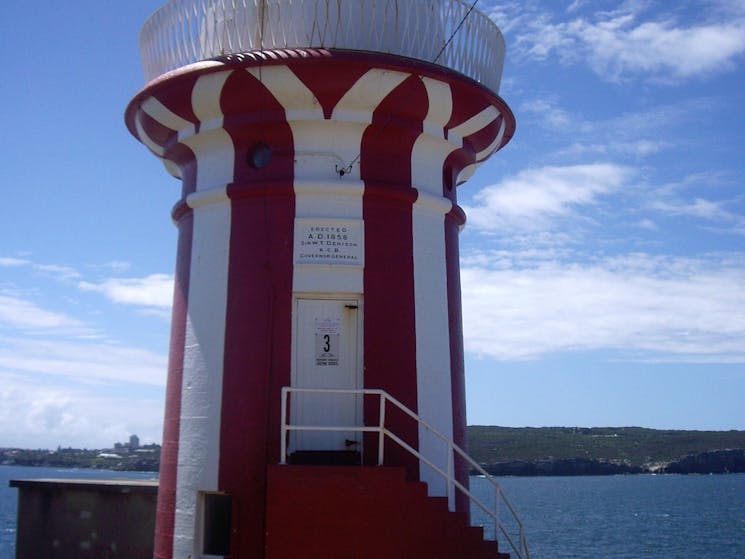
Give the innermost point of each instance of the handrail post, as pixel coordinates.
(451, 475)
(381, 427)
(283, 430)
(497, 517)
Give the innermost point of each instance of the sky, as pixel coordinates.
(603, 262)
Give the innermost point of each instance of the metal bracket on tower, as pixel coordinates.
(343, 170)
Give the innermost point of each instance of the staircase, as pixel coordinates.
(340, 512)
(434, 522)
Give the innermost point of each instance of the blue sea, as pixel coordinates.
(630, 517)
(613, 517)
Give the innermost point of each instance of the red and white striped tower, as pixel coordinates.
(319, 150)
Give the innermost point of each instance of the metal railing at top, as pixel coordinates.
(187, 31)
(518, 543)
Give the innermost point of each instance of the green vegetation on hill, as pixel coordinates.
(500, 450)
(143, 459)
(634, 448)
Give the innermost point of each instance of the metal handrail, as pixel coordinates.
(183, 32)
(520, 548)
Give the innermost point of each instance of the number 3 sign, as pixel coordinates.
(327, 342)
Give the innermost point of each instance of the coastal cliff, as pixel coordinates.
(502, 451)
(562, 451)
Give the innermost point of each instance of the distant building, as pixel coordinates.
(134, 442)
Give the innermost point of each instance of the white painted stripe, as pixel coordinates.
(476, 122)
(322, 147)
(431, 149)
(172, 168)
(207, 197)
(428, 157)
(157, 149)
(466, 173)
(440, 109)
(298, 101)
(201, 391)
(359, 103)
(484, 153)
(335, 199)
(438, 205)
(215, 156)
(213, 147)
(163, 115)
(205, 96)
(434, 391)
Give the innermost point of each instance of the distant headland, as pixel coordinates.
(502, 451)
(129, 456)
(549, 451)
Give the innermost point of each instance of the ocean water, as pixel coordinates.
(613, 517)
(625, 517)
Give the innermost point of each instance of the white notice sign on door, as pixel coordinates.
(327, 342)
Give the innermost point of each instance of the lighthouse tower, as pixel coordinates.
(315, 401)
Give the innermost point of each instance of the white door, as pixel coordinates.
(326, 356)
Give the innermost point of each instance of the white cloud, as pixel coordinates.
(116, 266)
(632, 135)
(94, 363)
(619, 47)
(58, 272)
(637, 148)
(645, 307)
(722, 215)
(155, 290)
(619, 43)
(25, 315)
(35, 414)
(534, 197)
(704, 209)
(553, 116)
(13, 262)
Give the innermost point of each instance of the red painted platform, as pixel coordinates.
(363, 512)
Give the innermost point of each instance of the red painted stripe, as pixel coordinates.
(258, 331)
(389, 141)
(389, 321)
(253, 116)
(169, 452)
(257, 351)
(329, 82)
(178, 153)
(389, 324)
(158, 133)
(170, 92)
(186, 161)
(314, 66)
(455, 162)
(479, 141)
(465, 103)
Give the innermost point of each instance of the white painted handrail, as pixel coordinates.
(519, 547)
(446, 32)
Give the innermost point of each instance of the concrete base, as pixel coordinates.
(97, 519)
